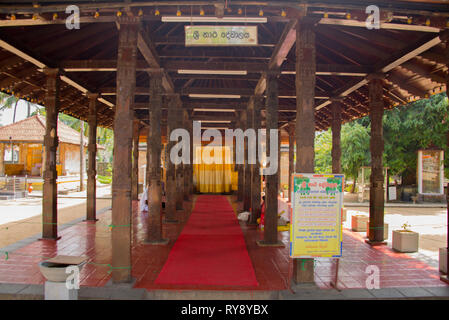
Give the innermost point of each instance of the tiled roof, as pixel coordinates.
(33, 130)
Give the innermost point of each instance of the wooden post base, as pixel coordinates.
(444, 278)
(171, 221)
(376, 243)
(90, 220)
(262, 243)
(161, 242)
(50, 239)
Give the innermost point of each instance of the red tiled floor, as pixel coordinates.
(272, 265)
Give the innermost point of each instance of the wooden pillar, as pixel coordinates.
(180, 167)
(50, 192)
(336, 135)
(2, 159)
(147, 167)
(135, 168)
(291, 157)
(248, 166)
(186, 166)
(240, 167)
(82, 158)
(154, 232)
(303, 271)
(272, 181)
(170, 188)
(255, 174)
(123, 134)
(376, 202)
(92, 159)
(445, 38)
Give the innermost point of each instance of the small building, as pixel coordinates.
(21, 148)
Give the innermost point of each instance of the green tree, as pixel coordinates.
(419, 125)
(323, 152)
(355, 140)
(7, 101)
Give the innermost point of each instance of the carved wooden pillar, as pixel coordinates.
(248, 166)
(272, 180)
(50, 192)
(92, 159)
(376, 202)
(170, 188)
(82, 158)
(135, 169)
(291, 157)
(255, 174)
(336, 135)
(305, 122)
(154, 232)
(444, 36)
(123, 134)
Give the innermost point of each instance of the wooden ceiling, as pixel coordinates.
(408, 49)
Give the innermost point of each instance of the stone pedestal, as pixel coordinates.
(359, 223)
(59, 291)
(405, 241)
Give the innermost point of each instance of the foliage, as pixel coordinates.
(7, 101)
(355, 149)
(104, 179)
(323, 152)
(405, 227)
(407, 129)
(420, 125)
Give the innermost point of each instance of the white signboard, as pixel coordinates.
(221, 36)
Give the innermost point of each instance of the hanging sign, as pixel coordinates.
(221, 35)
(315, 228)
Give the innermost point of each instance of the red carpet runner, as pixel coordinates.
(211, 249)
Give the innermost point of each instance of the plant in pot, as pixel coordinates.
(405, 240)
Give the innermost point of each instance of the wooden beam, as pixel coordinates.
(424, 44)
(395, 79)
(383, 25)
(416, 67)
(24, 54)
(148, 51)
(250, 67)
(421, 8)
(244, 92)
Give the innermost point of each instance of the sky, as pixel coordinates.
(6, 116)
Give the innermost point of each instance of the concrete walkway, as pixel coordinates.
(429, 222)
(22, 218)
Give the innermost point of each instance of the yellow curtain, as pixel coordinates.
(213, 173)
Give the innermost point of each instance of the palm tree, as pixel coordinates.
(15, 111)
(7, 101)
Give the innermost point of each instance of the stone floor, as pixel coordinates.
(273, 267)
